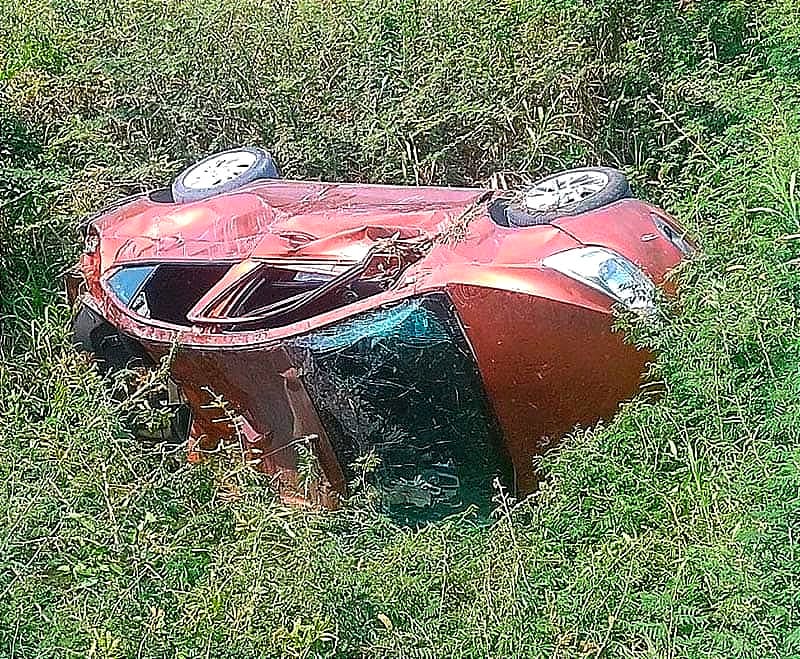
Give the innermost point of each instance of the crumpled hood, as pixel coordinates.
(277, 219)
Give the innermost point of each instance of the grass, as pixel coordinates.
(671, 531)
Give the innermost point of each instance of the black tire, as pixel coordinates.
(262, 166)
(517, 214)
(112, 349)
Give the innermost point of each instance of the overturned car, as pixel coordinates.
(443, 336)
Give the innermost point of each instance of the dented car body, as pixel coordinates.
(343, 323)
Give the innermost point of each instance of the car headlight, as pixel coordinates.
(608, 272)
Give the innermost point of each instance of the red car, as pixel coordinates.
(425, 340)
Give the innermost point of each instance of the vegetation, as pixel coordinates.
(672, 531)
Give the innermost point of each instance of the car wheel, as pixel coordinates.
(223, 172)
(566, 193)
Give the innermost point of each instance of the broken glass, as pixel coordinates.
(398, 388)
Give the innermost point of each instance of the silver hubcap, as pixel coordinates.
(219, 169)
(564, 189)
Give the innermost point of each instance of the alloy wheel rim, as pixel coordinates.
(564, 189)
(219, 169)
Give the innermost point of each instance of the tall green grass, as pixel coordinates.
(672, 531)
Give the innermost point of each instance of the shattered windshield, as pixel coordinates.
(401, 399)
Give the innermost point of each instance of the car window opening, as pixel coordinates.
(281, 296)
(165, 292)
(173, 290)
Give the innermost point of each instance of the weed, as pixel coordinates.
(670, 531)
